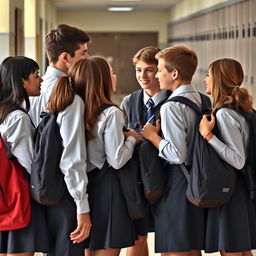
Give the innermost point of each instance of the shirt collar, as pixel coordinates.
(183, 89)
(52, 71)
(156, 98)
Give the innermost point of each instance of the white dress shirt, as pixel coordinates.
(234, 133)
(38, 104)
(178, 126)
(109, 142)
(17, 133)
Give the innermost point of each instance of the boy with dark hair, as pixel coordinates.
(139, 112)
(179, 225)
(64, 46)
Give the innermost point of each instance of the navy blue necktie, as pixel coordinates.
(150, 117)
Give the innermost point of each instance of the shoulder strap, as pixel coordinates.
(206, 103)
(105, 106)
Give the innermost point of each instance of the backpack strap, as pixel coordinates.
(206, 103)
(205, 109)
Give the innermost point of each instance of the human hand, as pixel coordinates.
(83, 228)
(134, 134)
(206, 125)
(150, 130)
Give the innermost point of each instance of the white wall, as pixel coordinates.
(92, 21)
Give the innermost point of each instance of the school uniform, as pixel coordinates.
(135, 108)
(232, 227)
(111, 225)
(62, 218)
(17, 134)
(179, 225)
(38, 104)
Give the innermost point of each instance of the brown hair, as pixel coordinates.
(147, 55)
(180, 58)
(227, 77)
(91, 80)
(64, 39)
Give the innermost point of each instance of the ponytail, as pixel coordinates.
(241, 98)
(62, 95)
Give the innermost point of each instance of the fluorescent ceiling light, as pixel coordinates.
(120, 9)
(125, 0)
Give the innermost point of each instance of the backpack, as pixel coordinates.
(47, 183)
(211, 180)
(151, 170)
(15, 202)
(132, 188)
(249, 170)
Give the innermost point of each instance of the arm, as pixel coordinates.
(174, 125)
(19, 135)
(118, 149)
(73, 164)
(232, 146)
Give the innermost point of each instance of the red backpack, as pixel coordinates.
(15, 204)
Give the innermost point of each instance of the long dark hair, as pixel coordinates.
(12, 92)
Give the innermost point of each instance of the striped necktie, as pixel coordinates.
(150, 117)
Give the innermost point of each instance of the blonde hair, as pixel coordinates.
(227, 77)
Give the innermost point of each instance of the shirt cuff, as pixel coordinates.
(132, 139)
(82, 206)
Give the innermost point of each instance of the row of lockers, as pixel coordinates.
(228, 32)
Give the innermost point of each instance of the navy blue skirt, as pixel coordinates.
(111, 225)
(232, 227)
(179, 225)
(62, 220)
(33, 238)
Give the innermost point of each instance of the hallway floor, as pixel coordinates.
(151, 249)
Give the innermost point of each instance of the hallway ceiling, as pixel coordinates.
(101, 5)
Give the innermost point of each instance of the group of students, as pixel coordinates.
(92, 217)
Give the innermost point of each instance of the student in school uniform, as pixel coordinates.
(69, 221)
(136, 107)
(108, 149)
(231, 228)
(64, 45)
(19, 79)
(179, 225)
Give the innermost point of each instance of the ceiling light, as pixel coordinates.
(120, 9)
(125, 0)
